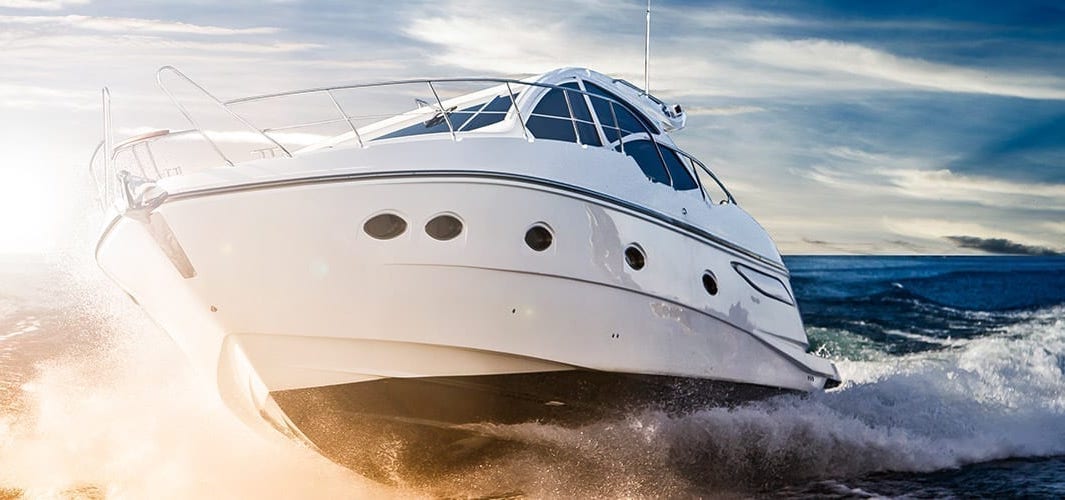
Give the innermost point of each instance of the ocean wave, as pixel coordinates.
(898, 321)
(988, 399)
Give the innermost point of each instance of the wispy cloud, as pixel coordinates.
(147, 42)
(131, 25)
(943, 184)
(40, 4)
(828, 56)
(35, 96)
(722, 111)
(857, 170)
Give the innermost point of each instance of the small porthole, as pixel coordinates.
(710, 283)
(385, 226)
(634, 257)
(443, 227)
(538, 237)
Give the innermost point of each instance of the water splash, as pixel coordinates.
(989, 398)
(120, 415)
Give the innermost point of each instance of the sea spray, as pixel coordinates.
(114, 411)
(990, 398)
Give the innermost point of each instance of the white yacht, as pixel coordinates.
(376, 269)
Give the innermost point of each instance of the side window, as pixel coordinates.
(627, 121)
(551, 117)
(682, 180)
(436, 124)
(646, 156)
(493, 112)
(713, 189)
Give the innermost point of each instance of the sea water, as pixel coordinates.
(954, 385)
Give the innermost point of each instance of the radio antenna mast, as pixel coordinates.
(647, 52)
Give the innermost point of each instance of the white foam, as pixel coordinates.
(127, 419)
(990, 398)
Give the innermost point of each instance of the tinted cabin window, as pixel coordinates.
(435, 124)
(471, 118)
(628, 120)
(646, 156)
(576, 100)
(493, 112)
(551, 118)
(682, 180)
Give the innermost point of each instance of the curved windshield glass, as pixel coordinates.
(646, 155)
(615, 118)
(678, 171)
(552, 119)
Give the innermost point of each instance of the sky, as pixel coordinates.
(894, 127)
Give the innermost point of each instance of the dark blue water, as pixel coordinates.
(928, 300)
(956, 375)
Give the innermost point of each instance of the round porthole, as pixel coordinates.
(443, 227)
(385, 226)
(538, 237)
(634, 257)
(710, 283)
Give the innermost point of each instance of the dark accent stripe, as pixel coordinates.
(605, 200)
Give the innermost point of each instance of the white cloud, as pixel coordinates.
(40, 4)
(35, 96)
(946, 185)
(828, 56)
(144, 43)
(1054, 227)
(740, 59)
(722, 111)
(128, 25)
(942, 185)
(858, 171)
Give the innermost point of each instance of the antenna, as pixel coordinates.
(647, 51)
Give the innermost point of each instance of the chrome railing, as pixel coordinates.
(136, 155)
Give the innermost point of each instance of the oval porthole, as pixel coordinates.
(385, 226)
(538, 237)
(634, 257)
(710, 283)
(443, 227)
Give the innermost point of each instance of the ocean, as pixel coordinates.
(954, 386)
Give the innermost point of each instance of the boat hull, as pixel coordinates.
(418, 428)
(280, 296)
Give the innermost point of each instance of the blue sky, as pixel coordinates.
(868, 127)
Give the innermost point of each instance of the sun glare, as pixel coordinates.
(29, 210)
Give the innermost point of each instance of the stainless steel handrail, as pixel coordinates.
(347, 118)
(443, 111)
(181, 107)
